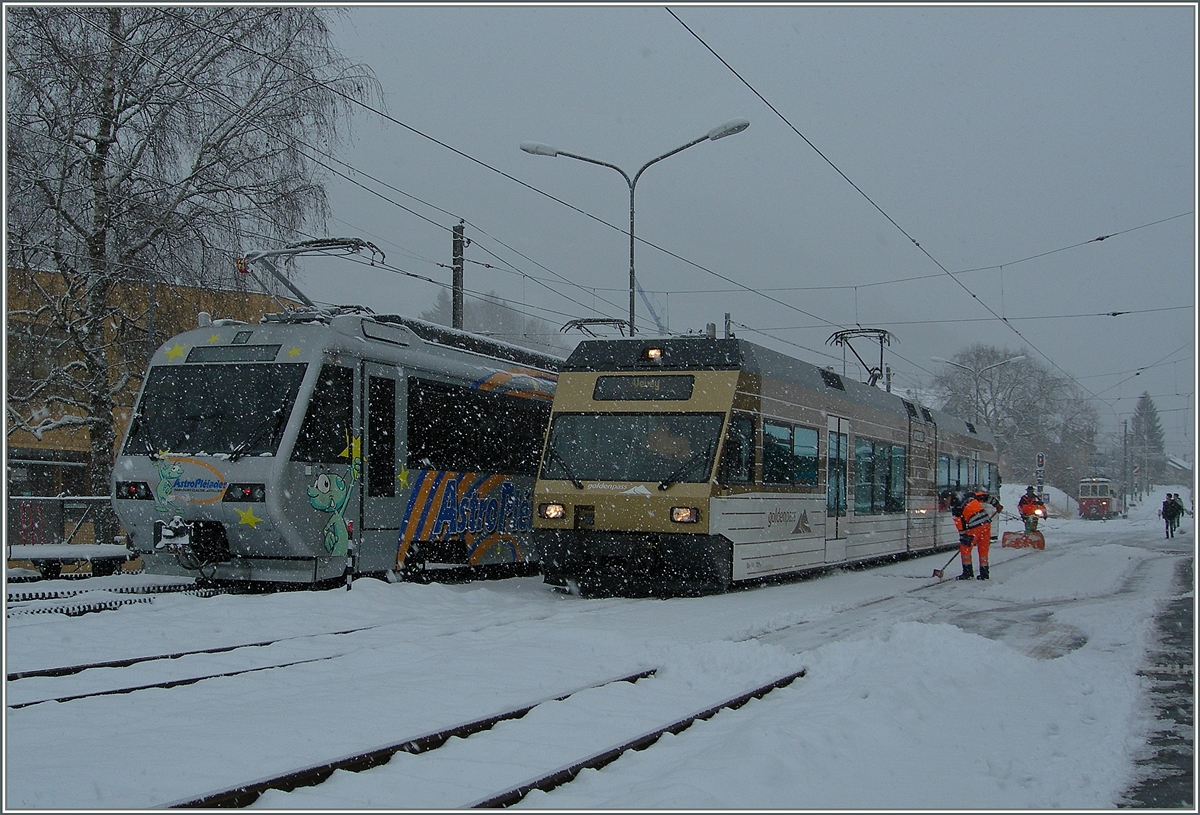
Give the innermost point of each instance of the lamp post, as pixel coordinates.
(721, 131)
(977, 373)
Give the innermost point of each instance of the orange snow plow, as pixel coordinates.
(1019, 540)
(1030, 515)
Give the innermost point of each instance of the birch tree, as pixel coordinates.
(1030, 409)
(152, 144)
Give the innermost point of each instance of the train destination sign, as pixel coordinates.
(644, 388)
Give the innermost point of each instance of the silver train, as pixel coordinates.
(318, 444)
(693, 464)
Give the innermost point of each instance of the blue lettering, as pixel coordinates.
(491, 516)
(473, 514)
(446, 522)
(508, 505)
(464, 516)
(197, 484)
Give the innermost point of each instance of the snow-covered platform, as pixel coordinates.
(66, 551)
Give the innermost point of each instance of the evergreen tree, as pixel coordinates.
(1146, 448)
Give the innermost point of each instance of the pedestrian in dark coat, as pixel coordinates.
(1168, 514)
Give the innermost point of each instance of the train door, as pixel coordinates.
(324, 470)
(921, 486)
(381, 496)
(836, 522)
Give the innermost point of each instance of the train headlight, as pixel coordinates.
(246, 493)
(685, 515)
(552, 512)
(653, 354)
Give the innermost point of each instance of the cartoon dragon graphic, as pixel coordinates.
(168, 471)
(331, 493)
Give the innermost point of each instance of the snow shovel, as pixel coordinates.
(941, 571)
(1021, 540)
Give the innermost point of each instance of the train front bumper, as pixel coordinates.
(634, 563)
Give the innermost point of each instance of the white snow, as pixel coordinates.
(1017, 693)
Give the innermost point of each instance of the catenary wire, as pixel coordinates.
(881, 211)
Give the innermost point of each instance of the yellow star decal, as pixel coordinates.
(175, 350)
(214, 338)
(353, 448)
(248, 518)
(294, 352)
(403, 477)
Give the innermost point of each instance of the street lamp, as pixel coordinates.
(978, 373)
(721, 131)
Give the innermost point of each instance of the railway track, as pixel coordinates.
(15, 690)
(79, 690)
(76, 602)
(243, 795)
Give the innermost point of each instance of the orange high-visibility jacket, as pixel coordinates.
(1027, 505)
(977, 513)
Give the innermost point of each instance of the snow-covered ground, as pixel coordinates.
(1018, 693)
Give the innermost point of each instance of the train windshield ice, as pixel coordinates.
(235, 410)
(664, 447)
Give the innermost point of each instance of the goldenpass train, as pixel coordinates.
(692, 464)
(322, 443)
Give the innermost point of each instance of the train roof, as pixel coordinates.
(429, 332)
(709, 354)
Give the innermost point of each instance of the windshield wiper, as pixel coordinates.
(271, 421)
(679, 471)
(551, 452)
(142, 429)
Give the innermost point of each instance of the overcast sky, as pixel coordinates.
(888, 148)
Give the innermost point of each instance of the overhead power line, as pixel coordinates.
(880, 209)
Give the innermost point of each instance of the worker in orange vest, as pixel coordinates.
(974, 524)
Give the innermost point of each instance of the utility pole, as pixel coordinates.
(459, 244)
(1125, 465)
(728, 327)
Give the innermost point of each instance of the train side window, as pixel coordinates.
(879, 477)
(835, 484)
(895, 491)
(328, 421)
(943, 474)
(381, 437)
(451, 427)
(804, 452)
(864, 475)
(962, 477)
(777, 453)
(737, 457)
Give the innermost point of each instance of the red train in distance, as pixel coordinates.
(1099, 498)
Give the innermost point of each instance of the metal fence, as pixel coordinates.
(35, 519)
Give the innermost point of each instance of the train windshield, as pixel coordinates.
(234, 410)
(668, 448)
